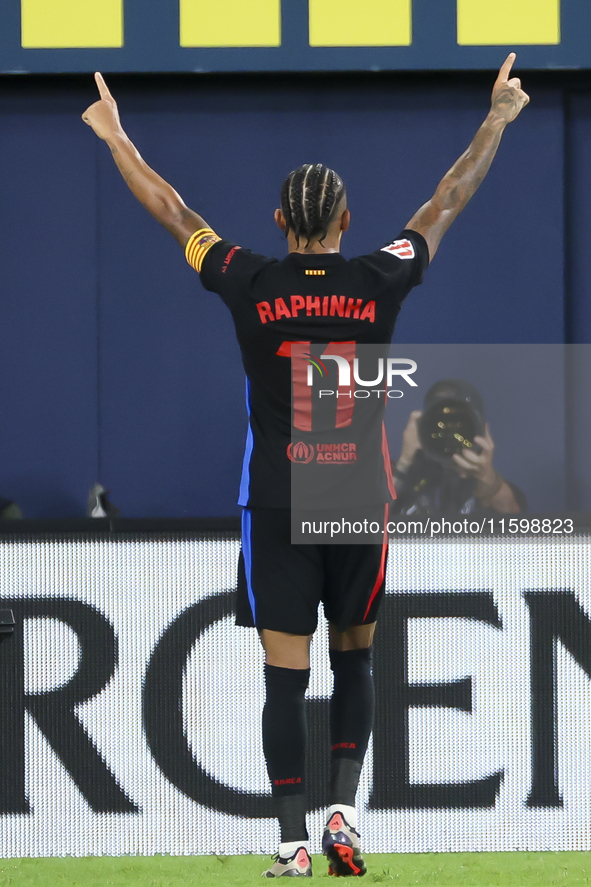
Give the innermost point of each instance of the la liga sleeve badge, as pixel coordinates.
(402, 249)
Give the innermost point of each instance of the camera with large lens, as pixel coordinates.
(448, 426)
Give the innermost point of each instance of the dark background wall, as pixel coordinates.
(115, 365)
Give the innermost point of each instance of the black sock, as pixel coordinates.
(284, 745)
(351, 720)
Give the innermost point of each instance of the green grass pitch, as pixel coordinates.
(424, 869)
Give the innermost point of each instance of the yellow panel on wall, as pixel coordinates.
(360, 22)
(508, 22)
(70, 24)
(230, 22)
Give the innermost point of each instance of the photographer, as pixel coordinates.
(446, 462)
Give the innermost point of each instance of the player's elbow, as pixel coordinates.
(445, 200)
(433, 224)
(167, 210)
(168, 207)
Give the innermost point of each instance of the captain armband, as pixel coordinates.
(198, 245)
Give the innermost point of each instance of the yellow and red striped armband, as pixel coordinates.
(199, 243)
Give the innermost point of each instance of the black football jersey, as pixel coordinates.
(299, 323)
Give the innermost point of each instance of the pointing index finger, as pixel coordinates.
(102, 86)
(506, 68)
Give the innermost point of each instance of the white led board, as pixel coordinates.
(131, 705)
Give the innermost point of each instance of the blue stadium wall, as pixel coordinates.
(117, 366)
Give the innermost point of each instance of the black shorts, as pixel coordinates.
(280, 585)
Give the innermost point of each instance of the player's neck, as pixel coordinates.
(330, 244)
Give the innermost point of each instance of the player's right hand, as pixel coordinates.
(508, 98)
(103, 116)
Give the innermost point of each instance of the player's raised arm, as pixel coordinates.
(457, 187)
(151, 190)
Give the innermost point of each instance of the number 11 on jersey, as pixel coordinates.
(303, 367)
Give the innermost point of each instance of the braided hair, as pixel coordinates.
(310, 196)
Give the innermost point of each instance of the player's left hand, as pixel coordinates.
(103, 116)
(478, 465)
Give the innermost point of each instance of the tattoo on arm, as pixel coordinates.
(127, 174)
(458, 185)
(468, 173)
(154, 193)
